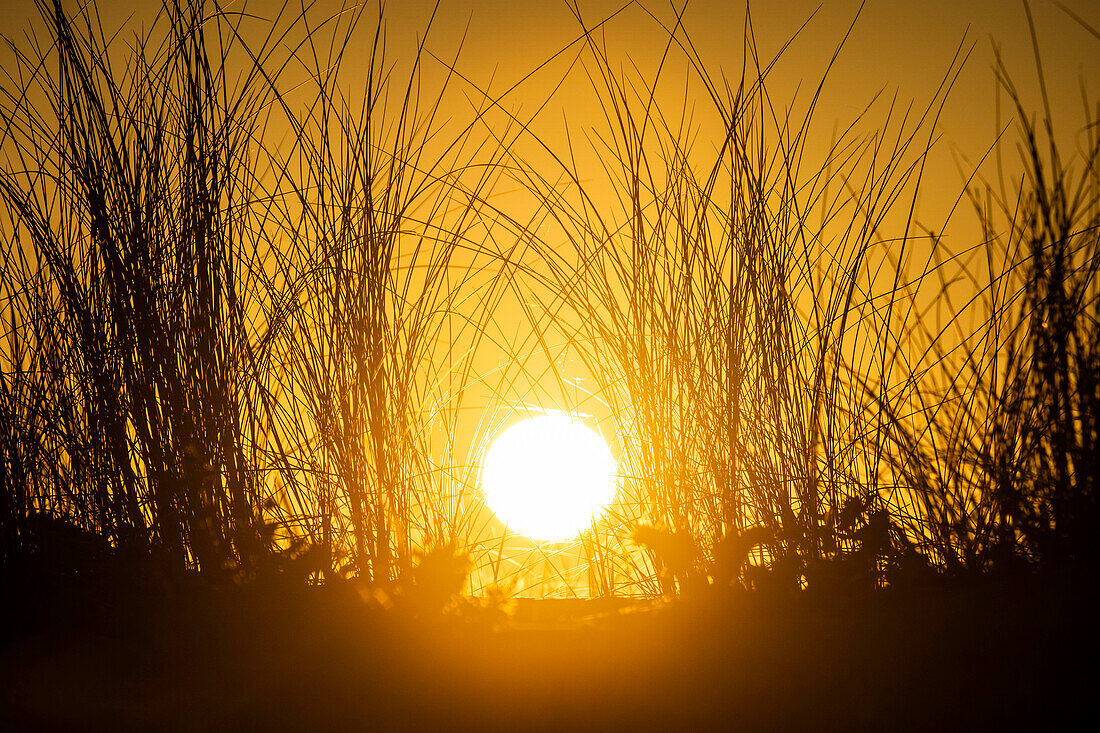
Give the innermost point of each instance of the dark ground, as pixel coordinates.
(79, 653)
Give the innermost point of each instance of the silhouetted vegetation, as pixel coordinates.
(243, 319)
(212, 340)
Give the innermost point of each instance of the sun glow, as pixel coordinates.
(549, 477)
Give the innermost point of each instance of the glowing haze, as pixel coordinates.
(549, 477)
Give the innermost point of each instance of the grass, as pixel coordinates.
(731, 309)
(250, 309)
(264, 310)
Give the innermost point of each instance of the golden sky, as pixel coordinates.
(894, 47)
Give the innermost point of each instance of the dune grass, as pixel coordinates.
(249, 311)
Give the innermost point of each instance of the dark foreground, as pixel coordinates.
(116, 656)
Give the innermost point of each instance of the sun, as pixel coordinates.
(549, 477)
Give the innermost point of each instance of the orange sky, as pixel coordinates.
(902, 47)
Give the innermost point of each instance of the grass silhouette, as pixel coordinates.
(213, 338)
(248, 316)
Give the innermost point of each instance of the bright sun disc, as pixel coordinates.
(548, 477)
